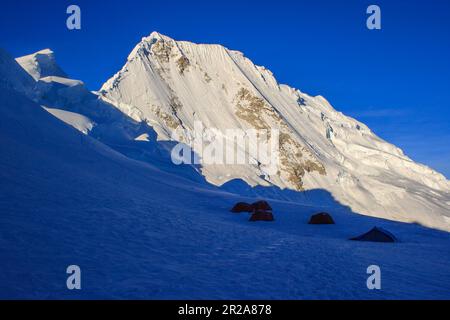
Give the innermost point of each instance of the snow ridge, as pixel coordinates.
(41, 64)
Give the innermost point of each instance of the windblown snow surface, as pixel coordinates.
(109, 200)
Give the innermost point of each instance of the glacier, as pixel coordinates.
(87, 179)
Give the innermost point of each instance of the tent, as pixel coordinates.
(260, 215)
(376, 235)
(261, 210)
(242, 207)
(321, 218)
(262, 205)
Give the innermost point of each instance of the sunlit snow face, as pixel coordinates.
(230, 147)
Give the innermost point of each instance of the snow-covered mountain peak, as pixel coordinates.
(171, 85)
(157, 36)
(147, 42)
(48, 52)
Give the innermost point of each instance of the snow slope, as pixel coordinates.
(70, 101)
(139, 232)
(13, 76)
(78, 121)
(172, 84)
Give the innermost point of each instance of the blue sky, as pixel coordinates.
(396, 80)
